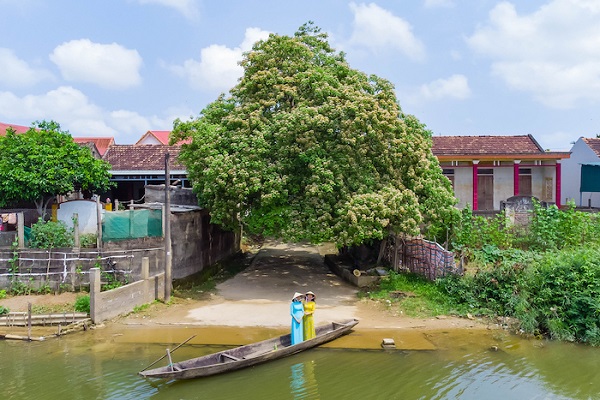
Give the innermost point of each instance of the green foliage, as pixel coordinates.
(82, 303)
(553, 228)
(554, 293)
(88, 240)
(18, 288)
(550, 228)
(306, 147)
(44, 162)
(2, 294)
(43, 289)
(565, 289)
(4, 310)
(48, 235)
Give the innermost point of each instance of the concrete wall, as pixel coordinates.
(504, 185)
(463, 186)
(68, 269)
(122, 300)
(571, 172)
(197, 243)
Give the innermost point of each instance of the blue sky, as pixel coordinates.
(123, 67)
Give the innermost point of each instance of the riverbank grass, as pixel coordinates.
(415, 296)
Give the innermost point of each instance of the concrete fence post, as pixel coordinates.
(21, 229)
(76, 240)
(94, 292)
(145, 268)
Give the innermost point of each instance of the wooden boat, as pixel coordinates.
(248, 355)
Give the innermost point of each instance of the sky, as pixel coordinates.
(122, 67)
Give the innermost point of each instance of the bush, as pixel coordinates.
(554, 294)
(565, 289)
(4, 310)
(82, 304)
(2, 294)
(48, 235)
(88, 240)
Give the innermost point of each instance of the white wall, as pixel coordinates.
(504, 186)
(463, 186)
(571, 174)
(86, 210)
(150, 139)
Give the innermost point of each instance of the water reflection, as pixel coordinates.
(303, 383)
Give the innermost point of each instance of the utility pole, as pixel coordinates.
(167, 219)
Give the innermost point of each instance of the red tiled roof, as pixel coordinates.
(593, 144)
(102, 143)
(485, 145)
(161, 136)
(17, 128)
(142, 157)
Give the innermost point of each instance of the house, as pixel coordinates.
(582, 173)
(134, 166)
(485, 170)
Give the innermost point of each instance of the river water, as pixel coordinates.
(464, 365)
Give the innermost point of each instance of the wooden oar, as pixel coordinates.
(168, 353)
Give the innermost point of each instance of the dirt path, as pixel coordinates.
(260, 297)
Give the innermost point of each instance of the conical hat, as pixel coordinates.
(297, 295)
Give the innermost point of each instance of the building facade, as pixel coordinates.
(486, 170)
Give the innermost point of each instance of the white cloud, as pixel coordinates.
(378, 29)
(218, 68)
(187, 8)
(439, 3)
(454, 87)
(552, 53)
(17, 73)
(110, 66)
(77, 114)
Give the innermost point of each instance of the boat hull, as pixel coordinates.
(248, 355)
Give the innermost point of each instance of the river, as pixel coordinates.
(464, 365)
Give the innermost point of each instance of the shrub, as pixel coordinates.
(565, 289)
(4, 310)
(48, 235)
(2, 294)
(82, 304)
(88, 240)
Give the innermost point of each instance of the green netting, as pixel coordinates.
(27, 234)
(119, 225)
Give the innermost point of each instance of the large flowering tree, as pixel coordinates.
(307, 148)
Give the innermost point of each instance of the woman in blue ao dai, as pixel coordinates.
(297, 312)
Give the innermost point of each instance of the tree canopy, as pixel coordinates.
(306, 148)
(43, 162)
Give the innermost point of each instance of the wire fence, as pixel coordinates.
(421, 257)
